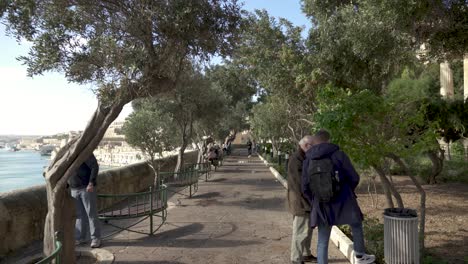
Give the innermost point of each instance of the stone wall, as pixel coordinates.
(22, 212)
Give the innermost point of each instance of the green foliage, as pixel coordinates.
(237, 88)
(448, 117)
(369, 127)
(127, 49)
(455, 170)
(281, 169)
(149, 130)
(269, 120)
(234, 81)
(274, 54)
(355, 45)
(429, 259)
(365, 30)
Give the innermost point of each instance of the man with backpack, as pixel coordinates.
(299, 207)
(328, 182)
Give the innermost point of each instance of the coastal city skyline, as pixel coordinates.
(49, 104)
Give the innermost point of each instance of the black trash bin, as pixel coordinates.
(401, 243)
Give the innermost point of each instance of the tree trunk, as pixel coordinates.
(449, 150)
(422, 203)
(274, 147)
(180, 157)
(437, 166)
(200, 152)
(61, 215)
(155, 167)
(385, 185)
(391, 188)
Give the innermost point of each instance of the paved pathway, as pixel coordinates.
(239, 216)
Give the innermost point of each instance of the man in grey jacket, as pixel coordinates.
(299, 207)
(83, 191)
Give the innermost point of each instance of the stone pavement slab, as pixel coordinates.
(238, 216)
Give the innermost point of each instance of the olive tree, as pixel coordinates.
(150, 130)
(275, 55)
(372, 128)
(126, 50)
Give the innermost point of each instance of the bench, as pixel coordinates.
(55, 256)
(146, 204)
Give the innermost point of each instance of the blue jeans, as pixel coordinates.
(87, 221)
(324, 238)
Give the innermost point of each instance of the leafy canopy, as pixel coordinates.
(128, 48)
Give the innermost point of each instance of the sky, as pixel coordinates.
(49, 104)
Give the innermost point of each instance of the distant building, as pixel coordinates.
(113, 150)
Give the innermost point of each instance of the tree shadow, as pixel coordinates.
(147, 262)
(452, 250)
(256, 203)
(261, 183)
(218, 180)
(186, 237)
(207, 195)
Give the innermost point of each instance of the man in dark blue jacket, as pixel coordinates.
(83, 191)
(343, 209)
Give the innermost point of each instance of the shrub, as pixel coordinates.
(373, 235)
(281, 169)
(428, 259)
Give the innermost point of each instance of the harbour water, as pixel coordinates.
(21, 169)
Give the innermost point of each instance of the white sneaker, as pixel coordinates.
(364, 259)
(95, 243)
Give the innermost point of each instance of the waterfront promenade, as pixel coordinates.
(239, 216)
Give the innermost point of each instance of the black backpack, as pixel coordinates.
(324, 181)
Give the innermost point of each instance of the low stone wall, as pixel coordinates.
(22, 212)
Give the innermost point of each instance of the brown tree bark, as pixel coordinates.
(60, 213)
(437, 165)
(180, 157)
(422, 202)
(187, 133)
(389, 189)
(385, 186)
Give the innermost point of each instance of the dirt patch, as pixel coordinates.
(446, 215)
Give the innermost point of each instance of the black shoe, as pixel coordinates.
(309, 258)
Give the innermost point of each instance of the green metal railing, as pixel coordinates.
(187, 177)
(56, 254)
(152, 203)
(203, 168)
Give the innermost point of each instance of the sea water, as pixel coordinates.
(24, 168)
(21, 169)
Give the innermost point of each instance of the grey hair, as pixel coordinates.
(305, 139)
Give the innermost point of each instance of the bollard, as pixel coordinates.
(286, 162)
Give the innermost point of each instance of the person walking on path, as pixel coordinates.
(343, 208)
(249, 147)
(83, 191)
(299, 206)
